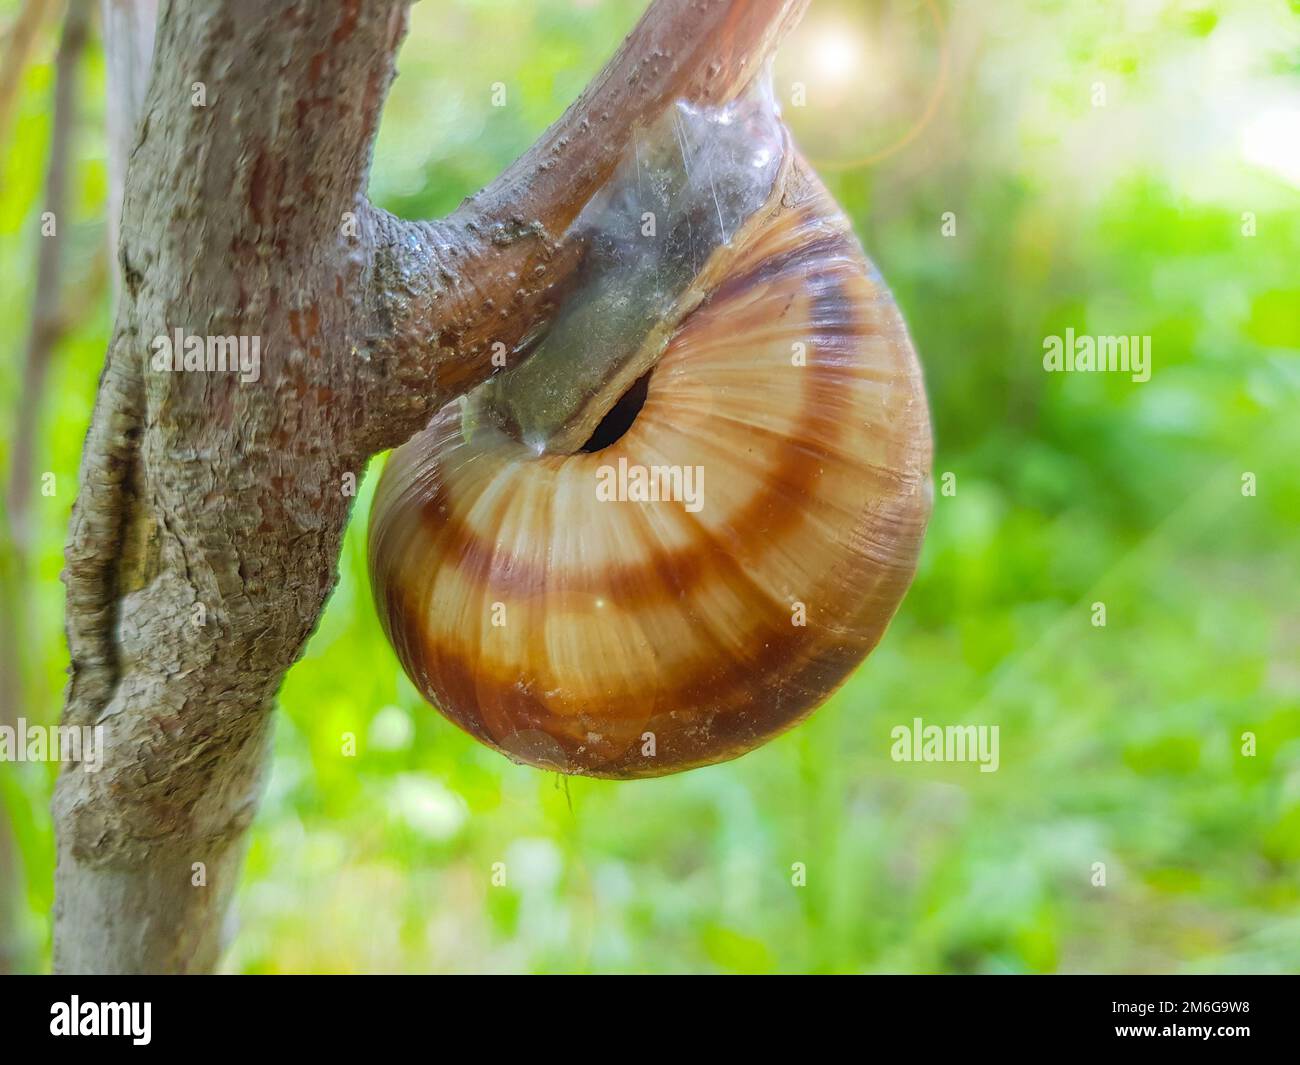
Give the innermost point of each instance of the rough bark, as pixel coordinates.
(206, 534)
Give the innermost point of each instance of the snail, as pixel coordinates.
(675, 528)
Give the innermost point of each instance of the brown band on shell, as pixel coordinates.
(463, 547)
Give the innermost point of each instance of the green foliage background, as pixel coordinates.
(1120, 744)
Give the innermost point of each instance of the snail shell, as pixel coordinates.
(543, 604)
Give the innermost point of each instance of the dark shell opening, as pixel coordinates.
(621, 416)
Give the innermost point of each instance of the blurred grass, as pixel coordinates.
(1120, 744)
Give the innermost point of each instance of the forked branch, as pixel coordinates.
(206, 534)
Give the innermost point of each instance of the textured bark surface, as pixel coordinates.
(207, 529)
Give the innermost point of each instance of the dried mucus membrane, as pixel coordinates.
(684, 189)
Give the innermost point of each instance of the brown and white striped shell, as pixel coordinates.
(632, 638)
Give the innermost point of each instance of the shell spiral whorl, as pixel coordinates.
(623, 637)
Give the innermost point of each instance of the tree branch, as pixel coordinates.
(492, 271)
(206, 535)
(706, 53)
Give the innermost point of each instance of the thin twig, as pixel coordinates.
(18, 52)
(45, 329)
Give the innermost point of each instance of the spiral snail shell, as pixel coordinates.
(670, 533)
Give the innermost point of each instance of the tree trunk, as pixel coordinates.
(206, 533)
